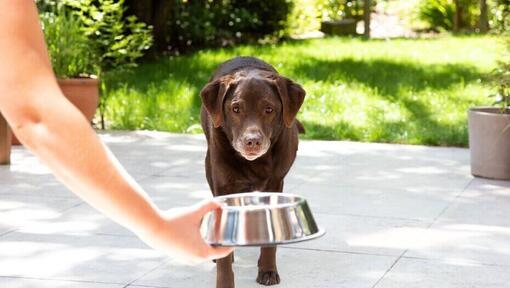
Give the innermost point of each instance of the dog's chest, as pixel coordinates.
(256, 176)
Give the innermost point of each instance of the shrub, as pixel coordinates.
(438, 14)
(499, 15)
(225, 22)
(117, 41)
(306, 16)
(68, 47)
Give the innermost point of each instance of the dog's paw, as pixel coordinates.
(268, 278)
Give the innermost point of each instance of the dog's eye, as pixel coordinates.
(269, 110)
(235, 109)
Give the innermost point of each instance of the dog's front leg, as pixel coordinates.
(268, 274)
(224, 272)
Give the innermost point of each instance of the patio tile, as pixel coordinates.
(8, 282)
(150, 153)
(18, 180)
(370, 172)
(399, 181)
(380, 236)
(415, 273)
(376, 201)
(484, 202)
(5, 229)
(169, 191)
(297, 268)
(166, 192)
(419, 203)
(22, 210)
(479, 244)
(94, 258)
(474, 229)
(82, 220)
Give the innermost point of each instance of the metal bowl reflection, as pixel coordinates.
(259, 219)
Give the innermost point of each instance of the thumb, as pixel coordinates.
(219, 252)
(207, 206)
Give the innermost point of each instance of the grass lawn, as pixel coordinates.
(399, 91)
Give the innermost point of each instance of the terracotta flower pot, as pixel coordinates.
(5, 142)
(489, 142)
(82, 92)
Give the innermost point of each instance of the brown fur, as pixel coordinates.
(252, 81)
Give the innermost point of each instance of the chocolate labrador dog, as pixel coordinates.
(249, 119)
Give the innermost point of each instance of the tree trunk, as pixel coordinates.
(155, 13)
(142, 9)
(366, 17)
(484, 18)
(161, 14)
(457, 18)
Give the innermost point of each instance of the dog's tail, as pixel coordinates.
(300, 127)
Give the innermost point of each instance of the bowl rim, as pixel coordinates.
(320, 232)
(300, 200)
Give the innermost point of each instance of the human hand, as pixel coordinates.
(178, 234)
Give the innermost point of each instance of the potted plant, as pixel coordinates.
(117, 40)
(5, 142)
(489, 130)
(86, 39)
(72, 60)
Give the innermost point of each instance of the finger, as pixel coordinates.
(219, 252)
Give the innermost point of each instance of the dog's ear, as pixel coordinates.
(292, 96)
(213, 96)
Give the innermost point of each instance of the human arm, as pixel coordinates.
(56, 132)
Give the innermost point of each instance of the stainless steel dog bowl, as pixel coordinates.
(259, 219)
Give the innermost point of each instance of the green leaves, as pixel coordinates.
(87, 37)
(437, 13)
(117, 41)
(501, 80)
(68, 47)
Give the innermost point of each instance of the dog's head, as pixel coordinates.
(252, 108)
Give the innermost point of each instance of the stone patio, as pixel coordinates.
(396, 216)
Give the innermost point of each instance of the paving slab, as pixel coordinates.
(20, 179)
(396, 216)
(17, 211)
(360, 234)
(420, 203)
(475, 228)
(16, 282)
(159, 152)
(297, 268)
(78, 257)
(417, 273)
(171, 191)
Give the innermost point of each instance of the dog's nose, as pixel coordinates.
(253, 140)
